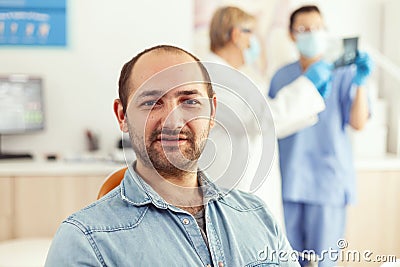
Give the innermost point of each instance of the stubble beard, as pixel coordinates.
(169, 161)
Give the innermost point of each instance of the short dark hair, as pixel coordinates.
(303, 9)
(123, 83)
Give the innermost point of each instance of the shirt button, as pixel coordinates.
(186, 221)
(220, 264)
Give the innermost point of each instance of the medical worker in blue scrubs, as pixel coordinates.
(233, 43)
(318, 179)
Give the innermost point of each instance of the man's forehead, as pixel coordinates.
(164, 70)
(155, 62)
(308, 17)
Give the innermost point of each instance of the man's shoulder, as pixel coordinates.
(288, 68)
(246, 203)
(241, 200)
(284, 76)
(106, 214)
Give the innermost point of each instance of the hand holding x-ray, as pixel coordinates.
(341, 51)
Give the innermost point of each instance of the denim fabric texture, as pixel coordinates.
(133, 226)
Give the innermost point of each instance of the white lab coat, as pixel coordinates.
(295, 107)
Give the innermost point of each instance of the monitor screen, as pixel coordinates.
(21, 104)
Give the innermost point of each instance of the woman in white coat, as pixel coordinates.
(295, 107)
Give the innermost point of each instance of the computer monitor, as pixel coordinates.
(21, 106)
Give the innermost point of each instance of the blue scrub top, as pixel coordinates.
(316, 163)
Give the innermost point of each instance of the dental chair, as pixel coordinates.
(32, 252)
(112, 181)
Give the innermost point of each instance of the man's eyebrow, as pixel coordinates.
(150, 93)
(188, 92)
(160, 93)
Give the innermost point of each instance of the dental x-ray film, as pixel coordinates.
(349, 55)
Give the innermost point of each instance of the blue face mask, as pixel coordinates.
(252, 53)
(311, 44)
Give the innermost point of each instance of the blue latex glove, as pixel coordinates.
(325, 89)
(320, 74)
(364, 68)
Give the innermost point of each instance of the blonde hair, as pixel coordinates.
(222, 24)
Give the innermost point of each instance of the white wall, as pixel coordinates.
(354, 17)
(81, 79)
(343, 18)
(391, 83)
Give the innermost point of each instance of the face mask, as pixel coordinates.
(252, 53)
(311, 44)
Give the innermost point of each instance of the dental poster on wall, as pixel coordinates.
(32, 22)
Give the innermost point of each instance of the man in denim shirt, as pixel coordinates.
(166, 212)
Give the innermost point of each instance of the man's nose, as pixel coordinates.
(173, 117)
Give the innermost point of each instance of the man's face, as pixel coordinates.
(307, 22)
(168, 118)
(309, 35)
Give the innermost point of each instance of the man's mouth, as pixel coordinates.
(166, 140)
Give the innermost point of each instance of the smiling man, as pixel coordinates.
(166, 212)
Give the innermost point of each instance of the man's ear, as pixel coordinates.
(213, 110)
(119, 113)
(292, 36)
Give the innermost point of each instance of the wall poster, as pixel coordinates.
(33, 22)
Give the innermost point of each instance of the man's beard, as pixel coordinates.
(169, 160)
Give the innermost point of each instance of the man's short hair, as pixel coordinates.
(303, 9)
(222, 24)
(126, 72)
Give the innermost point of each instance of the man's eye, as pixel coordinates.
(150, 103)
(191, 102)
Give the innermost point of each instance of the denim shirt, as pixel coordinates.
(133, 226)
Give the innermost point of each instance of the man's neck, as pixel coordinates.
(232, 55)
(180, 190)
(306, 62)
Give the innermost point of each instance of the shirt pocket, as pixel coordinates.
(259, 263)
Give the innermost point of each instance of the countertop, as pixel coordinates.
(95, 167)
(387, 163)
(29, 168)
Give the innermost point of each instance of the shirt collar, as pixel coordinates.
(136, 191)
